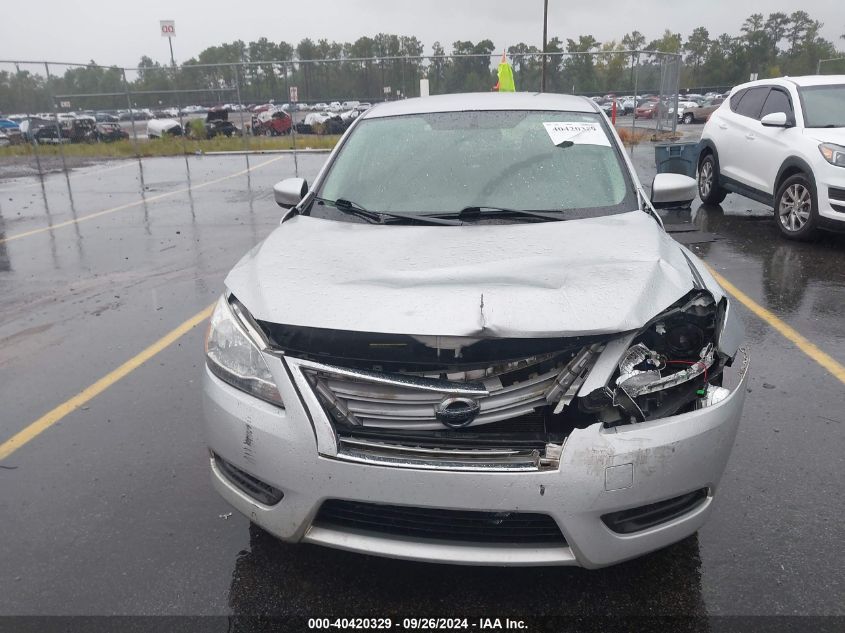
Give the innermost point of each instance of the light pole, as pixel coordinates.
(545, 43)
(168, 30)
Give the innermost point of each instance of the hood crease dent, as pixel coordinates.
(541, 280)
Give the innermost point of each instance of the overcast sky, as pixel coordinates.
(119, 32)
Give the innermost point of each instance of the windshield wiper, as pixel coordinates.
(351, 208)
(468, 213)
(347, 206)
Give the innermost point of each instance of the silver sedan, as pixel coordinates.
(471, 341)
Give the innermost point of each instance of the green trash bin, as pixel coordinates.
(677, 158)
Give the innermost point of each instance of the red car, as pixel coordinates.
(271, 123)
(647, 110)
(108, 132)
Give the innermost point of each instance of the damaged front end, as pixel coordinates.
(508, 416)
(454, 403)
(673, 365)
(470, 404)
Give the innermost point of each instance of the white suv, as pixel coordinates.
(780, 142)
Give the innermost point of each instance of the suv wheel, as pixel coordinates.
(688, 118)
(708, 181)
(796, 208)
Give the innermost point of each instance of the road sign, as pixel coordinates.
(294, 94)
(387, 90)
(64, 104)
(168, 28)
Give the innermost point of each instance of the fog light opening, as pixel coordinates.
(651, 515)
(246, 483)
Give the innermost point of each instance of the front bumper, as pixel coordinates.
(830, 192)
(665, 458)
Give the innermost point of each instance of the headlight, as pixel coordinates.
(234, 358)
(834, 154)
(668, 367)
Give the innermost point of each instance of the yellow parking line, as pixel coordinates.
(69, 406)
(790, 333)
(137, 203)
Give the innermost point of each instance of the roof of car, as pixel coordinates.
(482, 101)
(806, 80)
(817, 80)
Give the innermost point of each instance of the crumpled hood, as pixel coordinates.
(550, 279)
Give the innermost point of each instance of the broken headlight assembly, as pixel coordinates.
(671, 367)
(234, 358)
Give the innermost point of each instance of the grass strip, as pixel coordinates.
(173, 146)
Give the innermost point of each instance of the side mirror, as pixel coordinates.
(776, 119)
(672, 191)
(290, 192)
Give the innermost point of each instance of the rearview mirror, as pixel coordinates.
(672, 191)
(776, 119)
(290, 192)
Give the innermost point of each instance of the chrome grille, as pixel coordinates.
(403, 401)
(390, 419)
(515, 444)
(435, 458)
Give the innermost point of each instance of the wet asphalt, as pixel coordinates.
(111, 511)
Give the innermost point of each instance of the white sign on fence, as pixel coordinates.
(64, 104)
(387, 90)
(168, 28)
(294, 93)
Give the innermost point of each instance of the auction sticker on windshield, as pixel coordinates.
(577, 133)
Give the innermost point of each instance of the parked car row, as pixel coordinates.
(691, 108)
(327, 122)
(45, 129)
(146, 114)
(644, 106)
(216, 124)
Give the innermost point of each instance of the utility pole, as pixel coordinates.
(545, 42)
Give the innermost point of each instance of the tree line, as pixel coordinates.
(390, 66)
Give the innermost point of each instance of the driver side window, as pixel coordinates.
(777, 101)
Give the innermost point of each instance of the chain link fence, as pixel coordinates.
(56, 114)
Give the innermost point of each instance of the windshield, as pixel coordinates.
(824, 106)
(441, 163)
